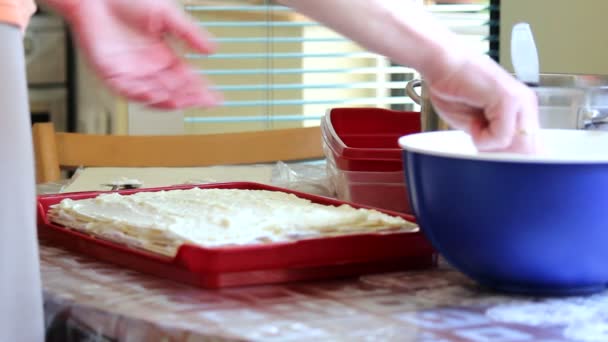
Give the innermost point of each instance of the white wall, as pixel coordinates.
(571, 35)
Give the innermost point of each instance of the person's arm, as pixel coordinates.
(17, 12)
(469, 90)
(128, 44)
(398, 29)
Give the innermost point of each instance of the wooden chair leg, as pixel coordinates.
(46, 157)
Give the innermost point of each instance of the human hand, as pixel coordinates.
(499, 112)
(127, 43)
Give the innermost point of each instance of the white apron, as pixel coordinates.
(20, 290)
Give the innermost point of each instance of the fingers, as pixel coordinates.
(498, 130)
(186, 87)
(136, 89)
(512, 124)
(525, 143)
(183, 27)
(176, 87)
(456, 114)
(526, 138)
(160, 18)
(488, 103)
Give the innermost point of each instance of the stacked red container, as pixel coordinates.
(364, 160)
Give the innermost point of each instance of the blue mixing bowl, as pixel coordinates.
(525, 224)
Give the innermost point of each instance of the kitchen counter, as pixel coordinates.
(94, 301)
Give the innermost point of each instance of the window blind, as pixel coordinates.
(279, 69)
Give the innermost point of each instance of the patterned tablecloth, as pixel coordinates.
(93, 301)
(87, 300)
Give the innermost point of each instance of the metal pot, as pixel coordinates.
(566, 101)
(429, 119)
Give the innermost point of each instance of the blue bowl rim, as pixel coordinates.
(412, 143)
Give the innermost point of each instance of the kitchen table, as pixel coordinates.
(87, 300)
(94, 301)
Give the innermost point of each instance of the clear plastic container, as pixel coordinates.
(385, 190)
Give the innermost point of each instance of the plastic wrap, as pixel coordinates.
(305, 177)
(310, 177)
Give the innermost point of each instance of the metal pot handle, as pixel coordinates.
(593, 119)
(411, 92)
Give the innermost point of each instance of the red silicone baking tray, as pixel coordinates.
(218, 267)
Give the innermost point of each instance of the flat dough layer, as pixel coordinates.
(161, 221)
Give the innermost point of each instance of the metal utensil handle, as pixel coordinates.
(411, 92)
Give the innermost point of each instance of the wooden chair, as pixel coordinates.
(55, 151)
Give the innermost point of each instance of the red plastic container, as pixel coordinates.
(366, 139)
(364, 158)
(218, 267)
